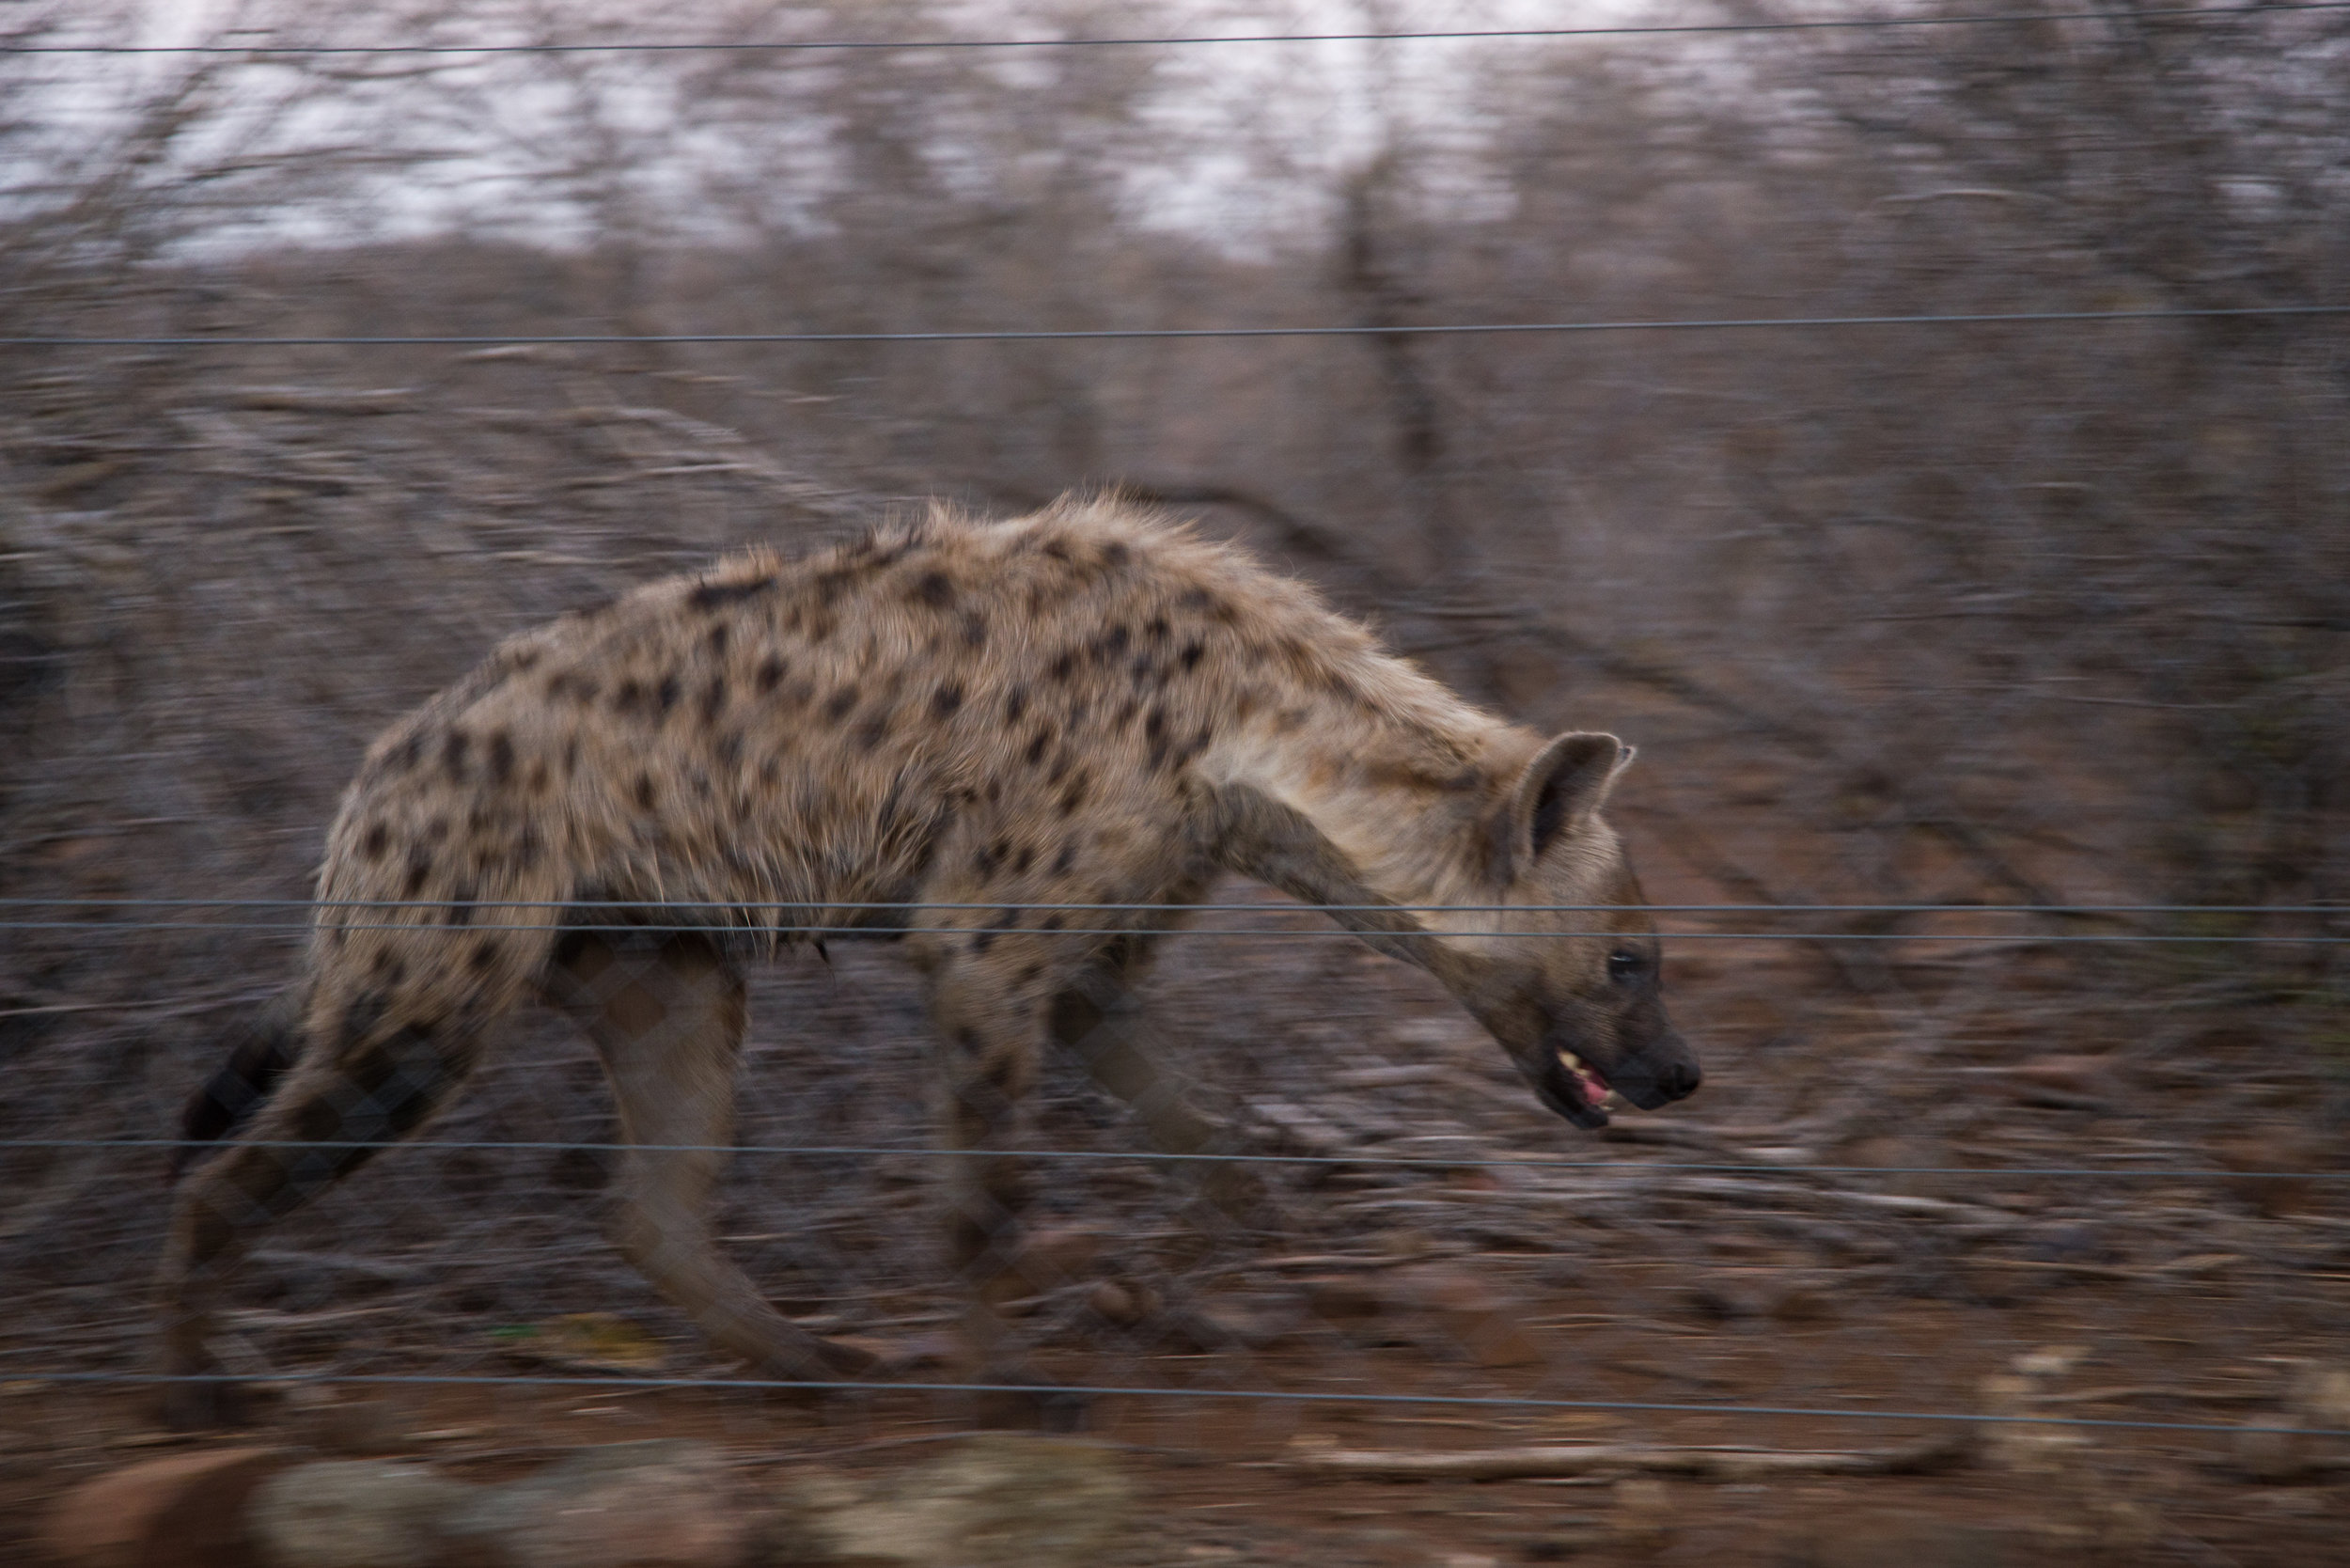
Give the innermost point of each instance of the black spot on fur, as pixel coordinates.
(484, 954)
(1114, 553)
(1205, 602)
(769, 673)
(934, 589)
(460, 907)
(501, 756)
(626, 696)
(709, 596)
(538, 780)
(983, 860)
(419, 868)
(1113, 644)
(1065, 861)
(1016, 704)
(873, 733)
(1074, 798)
(364, 1013)
(1021, 862)
(525, 661)
(715, 699)
(967, 1041)
(974, 630)
(1191, 654)
(571, 756)
(453, 749)
(404, 756)
(729, 748)
(946, 699)
(836, 706)
(1063, 665)
(666, 697)
(1154, 724)
(1037, 744)
(717, 640)
(643, 792)
(378, 839)
(1053, 921)
(1058, 549)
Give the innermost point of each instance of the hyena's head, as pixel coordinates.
(1566, 975)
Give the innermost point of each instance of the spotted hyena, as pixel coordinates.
(943, 730)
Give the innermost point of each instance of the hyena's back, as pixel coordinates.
(957, 712)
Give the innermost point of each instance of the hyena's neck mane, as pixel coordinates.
(1395, 773)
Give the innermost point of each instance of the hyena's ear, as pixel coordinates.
(1560, 790)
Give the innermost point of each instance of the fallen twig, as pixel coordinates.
(1944, 1452)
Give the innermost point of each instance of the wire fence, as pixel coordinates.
(265, 49)
(1456, 329)
(1956, 1189)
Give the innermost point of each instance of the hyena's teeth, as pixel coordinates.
(1571, 1061)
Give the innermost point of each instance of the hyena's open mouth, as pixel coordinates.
(1574, 1089)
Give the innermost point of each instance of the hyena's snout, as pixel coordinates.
(1665, 1070)
(1653, 1074)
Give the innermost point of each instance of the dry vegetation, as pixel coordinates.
(2022, 614)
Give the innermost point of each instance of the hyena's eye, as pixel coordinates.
(1625, 969)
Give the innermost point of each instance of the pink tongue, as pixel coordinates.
(1594, 1087)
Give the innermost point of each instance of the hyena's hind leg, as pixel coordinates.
(262, 1053)
(336, 1106)
(667, 1014)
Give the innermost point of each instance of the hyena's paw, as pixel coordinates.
(812, 1368)
(1236, 1194)
(1019, 1399)
(842, 1358)
(211, 1405)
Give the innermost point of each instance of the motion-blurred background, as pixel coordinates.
(1928, 612)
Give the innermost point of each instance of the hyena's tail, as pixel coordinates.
(260, 1054)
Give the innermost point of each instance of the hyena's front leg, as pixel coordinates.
(1099, 1019)
(667, 1014)
(340, 1102)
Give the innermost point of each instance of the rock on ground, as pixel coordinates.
(183, 1510)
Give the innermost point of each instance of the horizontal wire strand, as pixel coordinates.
(779, 46)
(473, 928)
(993, 334)
(1380, 1161)
(1102, 1391)
(28, 901)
